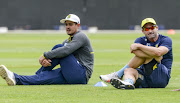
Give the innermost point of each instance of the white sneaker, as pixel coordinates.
(7, 75)
(119, 84)
(108, 77)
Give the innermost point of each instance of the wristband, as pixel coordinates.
(44, 56)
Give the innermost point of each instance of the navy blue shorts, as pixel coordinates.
(159, 78)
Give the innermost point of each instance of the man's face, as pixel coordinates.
(71, 27)
(150, 30)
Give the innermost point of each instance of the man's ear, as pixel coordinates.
(142, 31)
(157, 27)
(78, 25)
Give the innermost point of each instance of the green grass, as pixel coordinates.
(20, 54)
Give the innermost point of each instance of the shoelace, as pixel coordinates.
(113, 74)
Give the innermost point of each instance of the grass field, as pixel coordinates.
(20, 54)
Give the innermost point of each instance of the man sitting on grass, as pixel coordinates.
(75, 56)
(153, 53)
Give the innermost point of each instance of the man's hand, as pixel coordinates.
(134, 47)
(44, 62)
(158, 59)
(41, 59)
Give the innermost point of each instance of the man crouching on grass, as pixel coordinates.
(153, 53)
(75, 56)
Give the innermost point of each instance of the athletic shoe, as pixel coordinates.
(108, 77)
(119, 84)
(7, 75)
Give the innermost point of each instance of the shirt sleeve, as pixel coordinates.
(60, 52)
(139, 40)
(167, 42)
(64, 42)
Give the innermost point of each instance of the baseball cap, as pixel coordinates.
(148, 20)
(71, 17)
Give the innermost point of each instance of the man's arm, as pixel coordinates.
(141, 54)
(78, 41)
(148, 51)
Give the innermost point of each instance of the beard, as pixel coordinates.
(151, 36)
(69, 32)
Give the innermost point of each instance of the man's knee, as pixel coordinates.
(130, 71)
(127, 70)
(57, 46)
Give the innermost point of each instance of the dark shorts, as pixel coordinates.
(159, 77)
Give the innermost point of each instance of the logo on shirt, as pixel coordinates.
(148, 44)
(156, 45)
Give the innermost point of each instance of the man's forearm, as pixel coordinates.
(141, 54)
(151, 51)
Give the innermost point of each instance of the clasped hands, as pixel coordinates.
(44, 62)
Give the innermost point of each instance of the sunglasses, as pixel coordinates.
(147, 29)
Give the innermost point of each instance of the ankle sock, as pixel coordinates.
(129, 81)
(120, 73)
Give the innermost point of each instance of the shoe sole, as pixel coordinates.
(119, 85)
(4, 75)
